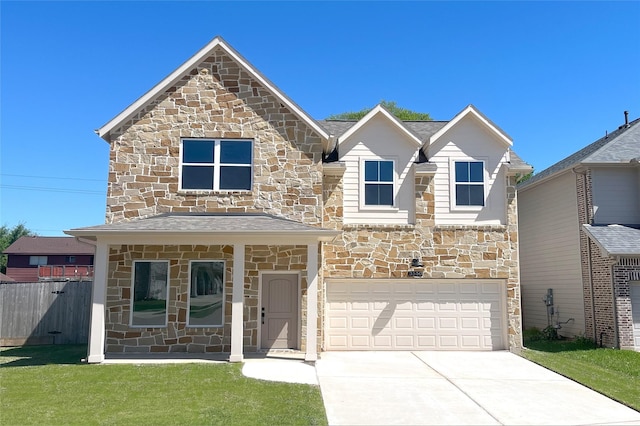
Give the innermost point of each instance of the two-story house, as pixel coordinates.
(580, 242)
(33, 259)
(237, 223)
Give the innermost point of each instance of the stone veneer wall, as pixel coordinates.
(371, 251)
(625, 271)
(176, 336)
(218, 99)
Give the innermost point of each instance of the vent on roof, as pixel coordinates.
(626, 119)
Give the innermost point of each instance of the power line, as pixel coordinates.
(53, 177)
(45, 189)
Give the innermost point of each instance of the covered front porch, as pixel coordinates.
(204, 283)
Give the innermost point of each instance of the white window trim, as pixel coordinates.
(224, 292)
(361, 182)
(38, 260)
(216, 166)
(452, 183)
(132, 293)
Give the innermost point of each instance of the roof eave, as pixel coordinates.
(379, 109)
(470, 109)
(176, 75)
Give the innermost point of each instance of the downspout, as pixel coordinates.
(615, 307)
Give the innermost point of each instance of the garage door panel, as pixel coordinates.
(424, 315)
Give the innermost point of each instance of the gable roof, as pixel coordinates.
(471, 110)
(381, 110)
(184, 69)
(619, 146)
(49, 245)
(615, 240)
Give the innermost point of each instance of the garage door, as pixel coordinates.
(415, 315)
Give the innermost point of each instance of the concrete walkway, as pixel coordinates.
(461, 388)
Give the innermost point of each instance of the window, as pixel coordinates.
(469, 183)
(37, 260)
(71, 259)
(209, 164)
(206, 294)
(150, 289)
(378, 183)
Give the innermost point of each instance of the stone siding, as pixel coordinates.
(177, 336)
(218, 99)
(370, 251)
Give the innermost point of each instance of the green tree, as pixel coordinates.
(523, 178)
(7, 237)
(401, 113)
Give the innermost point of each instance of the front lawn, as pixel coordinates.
(614, 373)
(49, 385)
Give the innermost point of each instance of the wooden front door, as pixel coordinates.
(279, 311)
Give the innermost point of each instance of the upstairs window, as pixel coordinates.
(469, 183)
(37, 260)
(378, 183)
(216, 165)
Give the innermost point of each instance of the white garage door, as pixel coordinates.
(415, 315)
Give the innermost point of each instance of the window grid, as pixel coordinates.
(217, 167)
(378, 182)
(469, 183)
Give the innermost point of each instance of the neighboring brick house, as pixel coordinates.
(237, 223)
(580, 237)
(32, 259)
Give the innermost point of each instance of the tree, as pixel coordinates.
(523, 178)
(7, 237)
(401, 113)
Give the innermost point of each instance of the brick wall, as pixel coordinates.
(625, 271)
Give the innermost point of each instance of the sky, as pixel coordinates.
(553, 75)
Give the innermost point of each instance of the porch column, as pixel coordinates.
(312, 302)
(98, 302)
(237, 304)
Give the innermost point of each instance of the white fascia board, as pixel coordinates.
(473, 111)
(182, 70)
(379, 109)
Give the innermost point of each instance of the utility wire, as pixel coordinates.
(53, 177)
(44, 189)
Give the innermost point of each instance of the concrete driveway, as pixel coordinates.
(461, 388)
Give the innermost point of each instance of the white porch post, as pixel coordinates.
(98, 302)
(312, 302)
(237, 304)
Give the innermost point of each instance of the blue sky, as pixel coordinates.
(553, 75)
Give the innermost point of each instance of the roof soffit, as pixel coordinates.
(379, 110)
(472, 111)
(182, 70)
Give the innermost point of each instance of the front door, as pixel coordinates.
(279, 311)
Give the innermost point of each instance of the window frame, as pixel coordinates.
(362, 185)
(133, 293)
(217, 165)
(224, 294)
(38, 260)
(452, 186)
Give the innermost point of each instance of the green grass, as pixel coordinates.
(49, 385)
(614, 373)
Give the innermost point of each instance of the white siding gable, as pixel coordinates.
(378, 139)
(469, 140)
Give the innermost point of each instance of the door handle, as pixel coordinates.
(263, 314)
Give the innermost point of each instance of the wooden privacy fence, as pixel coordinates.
(51, 312)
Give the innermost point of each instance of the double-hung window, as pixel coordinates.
(378, 183)
(150, 290)
(37, 260)
(216, 165)
(206, 294)
(469, 183)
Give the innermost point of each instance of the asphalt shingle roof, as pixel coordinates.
(615, 240)
(49, 245)
(207, 223)
(621, 145)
